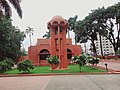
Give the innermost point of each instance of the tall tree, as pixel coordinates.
(109, 20)
(87, 31)
(72, 23)
(10, 39)
(102, 21)
(97, 15)
(6, 8)
(29, 31)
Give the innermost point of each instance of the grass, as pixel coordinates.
(45, 70)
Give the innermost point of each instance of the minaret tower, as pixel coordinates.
(58, 27)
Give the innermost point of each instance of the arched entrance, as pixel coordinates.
(44, 53)
(69, 54)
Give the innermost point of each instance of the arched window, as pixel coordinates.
(69, 54)
(44, 54)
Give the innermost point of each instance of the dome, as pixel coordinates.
(58, 18)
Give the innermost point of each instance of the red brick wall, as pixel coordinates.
(33, 52)
(77, 50)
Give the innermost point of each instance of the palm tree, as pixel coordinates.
(29, 31)
(6, 8)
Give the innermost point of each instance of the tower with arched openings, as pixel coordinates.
(57, 44)
(58, 29)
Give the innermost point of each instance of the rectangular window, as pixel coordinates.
(106, 41)
(110, 46)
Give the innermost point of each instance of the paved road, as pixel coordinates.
(66, 82)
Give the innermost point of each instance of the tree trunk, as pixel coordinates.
(115, 50)
(118, 37)
(117, 44)
(94, 48)
(101, 45)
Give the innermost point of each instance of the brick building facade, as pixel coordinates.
(58, 45)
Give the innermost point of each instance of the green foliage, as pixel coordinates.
(6, 7)
(25, 66)
(93, 60)
(10, 39)
(6, 64)
(53, 60)
(102, 21)
(75, 59)
(10, 63)
(80, 60)
(46, 35)
(72, 26)
(3, 67)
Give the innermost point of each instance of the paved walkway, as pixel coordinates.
(111, 65)
(66, 82)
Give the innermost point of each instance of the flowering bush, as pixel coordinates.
(53, 60)
(80, 60)
(75, 59)
(93, 60)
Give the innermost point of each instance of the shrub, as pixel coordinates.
(53, 60)
(80, 60)
(10, 63)
(25, 66)
(93, 60)
(3, 67)
(6, 64)
(75, 59)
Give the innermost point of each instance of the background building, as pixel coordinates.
(107, 47)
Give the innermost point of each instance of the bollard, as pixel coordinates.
(106, 67)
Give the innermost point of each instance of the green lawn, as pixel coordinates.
(45, 70)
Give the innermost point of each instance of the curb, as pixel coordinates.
(23, 75)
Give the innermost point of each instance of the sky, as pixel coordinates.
(36, 13)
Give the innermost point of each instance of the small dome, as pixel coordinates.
(58, 18)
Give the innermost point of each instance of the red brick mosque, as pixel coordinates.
(58, 45)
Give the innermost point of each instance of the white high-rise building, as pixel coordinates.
(107, 47)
